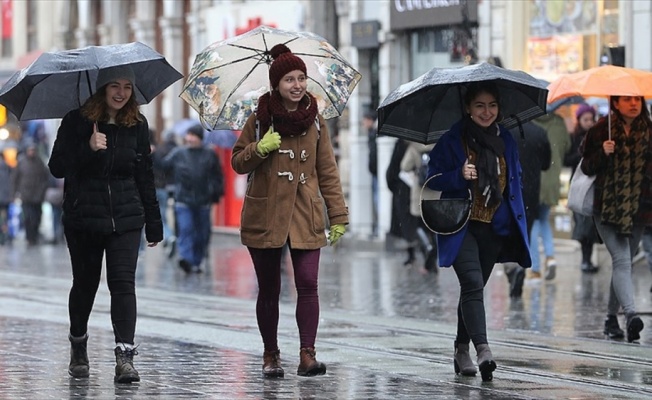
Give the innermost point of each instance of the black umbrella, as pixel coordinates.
(423, 109)
(58, 82)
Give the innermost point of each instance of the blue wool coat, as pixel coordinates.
(447, 158)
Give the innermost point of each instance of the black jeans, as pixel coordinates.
(33, 214)
(473, 265)
(86, 253)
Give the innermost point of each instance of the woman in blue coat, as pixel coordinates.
(478, 154)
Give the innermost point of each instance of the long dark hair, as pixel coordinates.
(95, 109)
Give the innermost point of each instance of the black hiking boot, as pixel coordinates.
(78, 367)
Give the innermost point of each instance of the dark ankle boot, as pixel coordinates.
(462, 360)
(634, 327)
(486, 362)
(612, 329)
(124, 366)
(308, 365)
(272, 364)
(78, 367)
(411, 257)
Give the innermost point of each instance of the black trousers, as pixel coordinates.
(473, 265)
(32, 213)
(87, 251)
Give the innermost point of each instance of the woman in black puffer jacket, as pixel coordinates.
(102, 151)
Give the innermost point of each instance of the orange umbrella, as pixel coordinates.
(604, 81)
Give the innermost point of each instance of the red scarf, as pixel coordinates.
(270, 111)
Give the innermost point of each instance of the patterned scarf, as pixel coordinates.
(489, 147)
(270, 111)
(622, 184)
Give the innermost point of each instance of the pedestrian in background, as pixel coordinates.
(583, 225)
(199, 182)
(535, 156)
(478, 154)
(403, 223)
(31, 180)
(54, 197)
(369, 124)
(647, 247)
(286, 149)
(102, 152)
(6, 197)
(560, 143)
(164, 182)
(414, 169)
(620, 158)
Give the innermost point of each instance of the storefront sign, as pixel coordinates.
(364, 34)
(408, 14)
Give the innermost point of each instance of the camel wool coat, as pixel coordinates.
(292, 191)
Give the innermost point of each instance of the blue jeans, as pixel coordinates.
(541, 228)
(194, 224)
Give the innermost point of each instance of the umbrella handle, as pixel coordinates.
(609, 119)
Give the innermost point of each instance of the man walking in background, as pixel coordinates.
(198, 182)
(31, 180)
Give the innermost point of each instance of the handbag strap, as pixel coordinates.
(425, 188)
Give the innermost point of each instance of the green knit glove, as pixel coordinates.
(269, 142)
(336, 232)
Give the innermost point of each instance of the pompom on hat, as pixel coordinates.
(112, 74)
(584, 108)
(284, 62)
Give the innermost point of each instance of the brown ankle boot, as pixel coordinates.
(272, 364)
(309, 366)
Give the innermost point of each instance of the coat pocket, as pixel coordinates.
(318, 215)
(254, 214)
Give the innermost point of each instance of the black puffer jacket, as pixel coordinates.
(109, 190)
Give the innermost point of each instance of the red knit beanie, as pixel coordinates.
(284, 62)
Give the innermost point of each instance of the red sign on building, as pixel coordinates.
(7, 18)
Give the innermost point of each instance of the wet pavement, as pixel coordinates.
(386, 331)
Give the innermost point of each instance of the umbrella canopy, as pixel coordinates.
(423, 109)
(58, 82)
(603, 81)
(228, 77)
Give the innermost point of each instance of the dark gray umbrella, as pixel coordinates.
(423, 109)
(58, 82)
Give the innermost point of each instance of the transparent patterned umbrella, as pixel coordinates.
(227, 77)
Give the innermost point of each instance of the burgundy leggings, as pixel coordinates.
(267, 263)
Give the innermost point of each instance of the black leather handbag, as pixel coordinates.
(443, 216)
